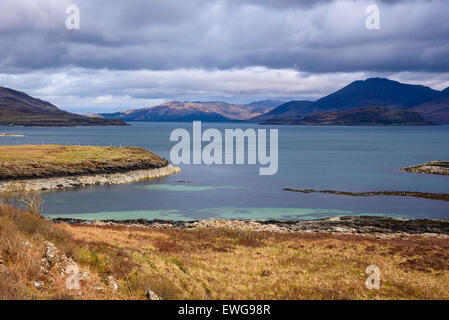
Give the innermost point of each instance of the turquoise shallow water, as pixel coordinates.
(339, 158)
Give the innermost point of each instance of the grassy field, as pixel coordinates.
(28, 161)
(211, 263)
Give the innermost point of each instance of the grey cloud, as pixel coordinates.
(312, 36)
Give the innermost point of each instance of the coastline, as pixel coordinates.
(359, 225)
(431, 167)
(415, 194)
(11, 135)
(66, 182)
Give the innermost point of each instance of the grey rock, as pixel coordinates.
(99, 289)
(151, 295)
(3, 268)
(111, 282)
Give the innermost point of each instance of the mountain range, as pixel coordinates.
(431, 105)
(18, 108)
(419, 105)
(203, 111)
(374, 101)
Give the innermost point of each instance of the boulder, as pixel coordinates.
(111, 282)
(99, 289)
(151, 295)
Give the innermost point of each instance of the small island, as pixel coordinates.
(11, 135)
(47, 167)
(431, 167)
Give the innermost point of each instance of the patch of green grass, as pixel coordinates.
(178, 263)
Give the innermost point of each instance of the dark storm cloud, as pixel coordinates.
(312, 36)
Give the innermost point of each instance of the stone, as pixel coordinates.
(151, 295)
(52, 254)
(39, 285)
(3, 268)
(94, 179)
(111, 282)
(45, 264)
(99, 289)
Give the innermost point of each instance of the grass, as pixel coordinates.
(58, 154)
(228, 264)
(28, 161)
(211, 263)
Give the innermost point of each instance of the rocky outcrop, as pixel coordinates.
(53, 257)
(431, 167)
(110, 282)
(3, 268)
(55, 183)
(416, 194)
(347, 225)
(151, 295)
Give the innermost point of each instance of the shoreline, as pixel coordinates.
(11, 135)
(361, 225)
(415, 194)
(78, 181)
(431, 167)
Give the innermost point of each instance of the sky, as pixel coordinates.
(134, 54)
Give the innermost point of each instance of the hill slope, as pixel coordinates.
(375, 92)
(288, 110)
(433, 105)
(365, 116)
(436, 110)
(18, 108)
(265, 103)
(189, 111)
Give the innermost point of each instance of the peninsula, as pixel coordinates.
(47, 167)
(19, 109)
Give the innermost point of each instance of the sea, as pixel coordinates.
(352, 158)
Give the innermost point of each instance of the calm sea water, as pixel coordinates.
(338, 158)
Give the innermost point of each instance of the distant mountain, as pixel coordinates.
(288, 110)
(374, 92)
(189, 111)
(364, 116)
(377, 92)
(18, 108)
(436, 110)
(271, 104)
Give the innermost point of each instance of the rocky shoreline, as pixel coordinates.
(55, 183)
(363, 225)
(415, 194)
(11, 135)
(431, 167)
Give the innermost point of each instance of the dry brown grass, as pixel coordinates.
(21, 248)
(222, 263)
(38, 161)
(59, 154)
(229, 264)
